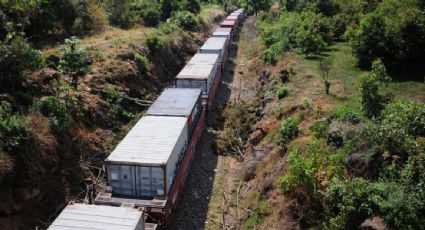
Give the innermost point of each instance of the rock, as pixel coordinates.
(355, 163)
(256, 137)
(374, 223)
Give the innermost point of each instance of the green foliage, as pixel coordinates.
(320, 129)
(13, 130)
(349, 203)
(186, 20)
(119, 13)
(114, 105)
(61, 107)
(142, 63)
(401, 123)
(325, 66)
(153, 42)
(282, 92)
(193, 6)
(16, 56)
(346, 113)
(272, 53)
(148, 11)
(393, 32)
(288, 129)
(300, 173)
(372, 101)
(256, 5)
(74, 61)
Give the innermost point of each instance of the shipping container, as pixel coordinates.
(229, 24)
(83, 216)
(197, 76)
(145, 162)
(223, 32)
(238, 15)
(178, 102)
(219, 46)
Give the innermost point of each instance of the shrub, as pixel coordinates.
(320, 129)
(74, 61)
(299, 175)
(345, 113)
(271, 54)
(401, 123)
(13, 130)
(113, 100)
(289, 129)
(56, 109)
(349, 203)
(119, 13)
(373, 102)
(186, 20)
(153, 42)
(148, 11)
(16, 56)
(282, 92)
(142, 63)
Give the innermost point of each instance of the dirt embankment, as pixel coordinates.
(56, 167)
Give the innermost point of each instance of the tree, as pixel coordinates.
(373, 102)
(119, 13)
(193, 6)
(16, 56)
(74, 61)
(256, 5)
(325, 66)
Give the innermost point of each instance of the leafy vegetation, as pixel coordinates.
(74, 61)
(289, 129)
(282, 92)
(142, 63)
(114, 103)
(13, 131)
(186, 20)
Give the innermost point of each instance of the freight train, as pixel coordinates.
(147, 170)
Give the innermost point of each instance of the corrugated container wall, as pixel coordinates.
(83, 216)
(177, 102)
(197, 76)
(215, 45)
(145, 162)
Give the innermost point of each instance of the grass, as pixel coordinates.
(216, 201)
(209, 9)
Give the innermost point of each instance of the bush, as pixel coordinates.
(282, 92)
(401, 123)
(74, 61)
(289, 129)
(186, 20)
(349, 203)
(142, 63)
(56, 109)
(345, 113)
(299, 175)
(119, 13)
(148, 11)
(16, 56)
(13, 131)
(373, 102)
(115, 112)
(153, 42)
(271, 54)
(320, 129)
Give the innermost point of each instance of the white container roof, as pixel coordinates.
(214, 43)
(206, 59)
(223, 29)
(228, 22)
(83, 216)
(222, 33)
(175, 102)
(196, 71)
(150, 142)
(236, 13)
(232, 17)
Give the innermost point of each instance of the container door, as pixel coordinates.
(150, 181)
(158, 181)
(121, 178)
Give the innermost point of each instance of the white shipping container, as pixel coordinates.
(146, 161)
(215, 45)
(197, 76)
(83, 216)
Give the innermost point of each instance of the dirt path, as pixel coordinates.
(211, 176)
